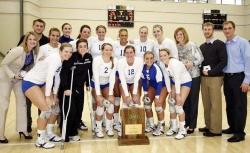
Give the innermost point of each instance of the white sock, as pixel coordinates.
(98, 124)
(182, 125)
(161, 122)
(116, 118)
(41, 133)
(151, 121)
(50, 128)
(108, 124)
(173, 123)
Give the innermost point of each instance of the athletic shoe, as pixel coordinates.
(82, 126)
(159, 130)
(98, 132)
(43, 143)
(182, 133)
(74, 138)
(53, 137)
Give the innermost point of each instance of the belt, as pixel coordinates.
(232, 74)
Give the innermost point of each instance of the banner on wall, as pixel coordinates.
(120, 16)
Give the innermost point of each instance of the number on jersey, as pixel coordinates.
(131, 72)
(106, 70)
(143, 48)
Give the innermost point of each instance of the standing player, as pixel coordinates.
(66, 29)
(119, 53)
(104, 68)
(96, 43)
(143, 44)
(154, 90)
(85, 33)
(162, 42)
(82, 61)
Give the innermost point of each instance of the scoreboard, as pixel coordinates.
(120, 18)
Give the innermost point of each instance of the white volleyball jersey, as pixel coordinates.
(44, 72)
(103, 73)
(130, 73)
(178, 73)
(166, 43)
(96, 45)
(46, 50)
(119, 49)
(142, 47)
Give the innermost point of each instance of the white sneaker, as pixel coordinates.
(43, 143)
(159, 130)
(53, 137)
(181, 134)
(74, 138)
(110, 132)
(171, 132)
(82, 126)
(98, 132)
(149, 129)
(117, 126)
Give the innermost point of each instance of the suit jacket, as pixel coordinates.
(13, 63)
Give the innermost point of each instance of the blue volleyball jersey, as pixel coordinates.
(152, 77)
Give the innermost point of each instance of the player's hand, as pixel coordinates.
(244, 87)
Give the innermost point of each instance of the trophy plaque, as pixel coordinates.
(133, 127)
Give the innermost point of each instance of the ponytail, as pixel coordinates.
(112, 61)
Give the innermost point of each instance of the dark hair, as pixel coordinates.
(82, 27)
(101, 26)
(54, 29)
(39, 20)
(229, 22)
(129, 47)
(80, 41)
(111, 58)
(65, 25)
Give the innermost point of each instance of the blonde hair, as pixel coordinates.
(64, 45)
(185, 35)
(158, 26)
(208, 24)
(165, 50)
(25, 40)
(148, 52)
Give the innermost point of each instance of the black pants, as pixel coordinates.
(236, 103)
(191, 104)
(74, 116)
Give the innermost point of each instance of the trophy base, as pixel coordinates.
(133, 140)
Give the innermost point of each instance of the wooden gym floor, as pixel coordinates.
(194, 143)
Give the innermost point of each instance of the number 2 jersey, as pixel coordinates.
(103, 74)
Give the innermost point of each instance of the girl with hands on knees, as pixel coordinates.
(154, 90)
(180, 84)
(104, 69)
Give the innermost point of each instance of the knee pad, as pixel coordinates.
(158, 109)
(179, 109)
(99, 111)
(110, 109)
(146, 100)
(45, 115)
(55, 110)
(106, 103)
(171, 101)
